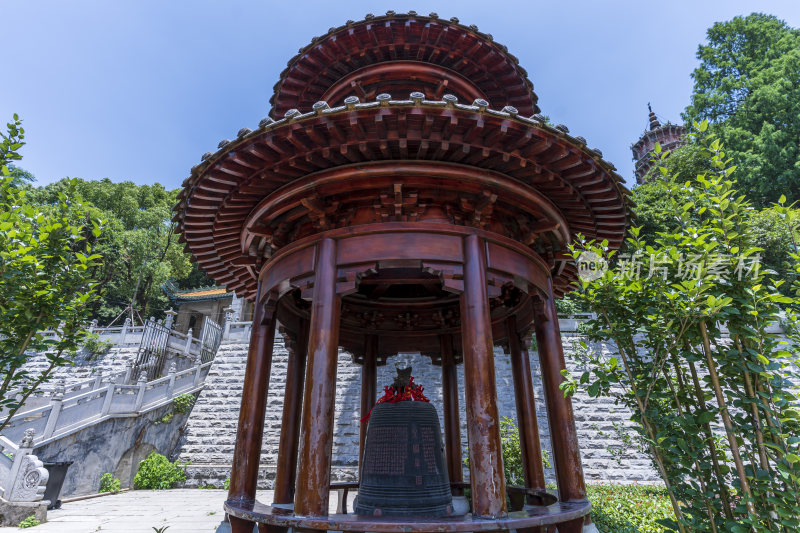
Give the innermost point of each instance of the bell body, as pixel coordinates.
(403, 470)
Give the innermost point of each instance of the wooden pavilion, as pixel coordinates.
(403, 196)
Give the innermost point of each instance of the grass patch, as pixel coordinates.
(629, 508)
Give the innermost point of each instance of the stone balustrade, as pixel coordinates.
(65, 414)
(22, 475)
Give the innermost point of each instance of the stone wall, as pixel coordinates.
(603, 428)
(116, 445)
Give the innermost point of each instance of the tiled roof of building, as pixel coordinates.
(177, 295)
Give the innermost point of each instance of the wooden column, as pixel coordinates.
(314, 473)
(452, 424)
(369, 386)
(526, 408)
(290, 426)
(483, 428)
(246, 455)
(563, 436)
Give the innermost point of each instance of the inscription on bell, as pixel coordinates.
(387, 452)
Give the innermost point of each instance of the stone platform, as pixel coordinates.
(183, 510)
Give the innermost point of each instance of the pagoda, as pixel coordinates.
(403, 195)
(669, 136)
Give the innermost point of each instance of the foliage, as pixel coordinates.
(512, 453)
(20, 175)
(95, 347)
(227, 484)
(748, 86)
(108, 483)
(183, 404)
(714, 408)
(141, 249)
(166, 419)
(629, 508)
(615, 508)
(663, 182)
(10, 143)
(48, 262)
(161, 529)
(157, 472)
(569, 305)
(664, 186)
(31, 521)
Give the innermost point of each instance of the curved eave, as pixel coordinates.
(393, 36)
(221, 192)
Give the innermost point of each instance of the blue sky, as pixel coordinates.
(139, 90)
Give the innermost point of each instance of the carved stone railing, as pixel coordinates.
(65, 414)
(22, 476)
(238, 331)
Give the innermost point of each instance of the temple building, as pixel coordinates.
(669, 136)
(194, 306)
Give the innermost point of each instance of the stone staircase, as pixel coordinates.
(114, 362)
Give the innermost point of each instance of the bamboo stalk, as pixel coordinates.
(748, 386)
(726, 420)
(659, 460)
(709, 508)
(712, 448)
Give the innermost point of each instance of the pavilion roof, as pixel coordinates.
(459, 49)
(225, 187)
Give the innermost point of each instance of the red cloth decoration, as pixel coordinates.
(391, 394)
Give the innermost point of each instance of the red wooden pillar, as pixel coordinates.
(452, 424)
(246, 455)
(483, 428)
(526, 408)
(314, 473)
(369, 386)
(563, 436)
(290, 424)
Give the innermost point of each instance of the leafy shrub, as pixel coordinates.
(629, 508)
(108, 483)
(29, 522)
(156, 472)
(708, 380)
(227, 483)
(166, 419)
(615, 508)
(95, 347)
(183, 404)
(512, 453)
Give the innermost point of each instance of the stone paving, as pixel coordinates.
(183, 510)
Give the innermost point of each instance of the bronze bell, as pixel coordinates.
(403, 471)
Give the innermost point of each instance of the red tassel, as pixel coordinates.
(411, 392)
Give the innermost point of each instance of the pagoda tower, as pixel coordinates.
(403, 195)
(669, 136)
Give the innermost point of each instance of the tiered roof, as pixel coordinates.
(304, 137)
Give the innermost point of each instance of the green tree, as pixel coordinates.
(47, 261)
(748, 87)
(708, 381)
(20, 175)
(665, 185)
(141, 248)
